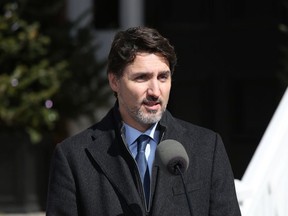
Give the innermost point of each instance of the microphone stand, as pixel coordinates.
(185, 189)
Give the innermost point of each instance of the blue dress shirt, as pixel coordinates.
(131, 134)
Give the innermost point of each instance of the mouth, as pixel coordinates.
(152, 105)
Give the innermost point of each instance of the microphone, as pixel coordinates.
(173, 156)
(175, 159)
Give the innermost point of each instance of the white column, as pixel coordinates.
(75, 8)
(131, 13)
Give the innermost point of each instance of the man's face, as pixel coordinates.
(143, 90)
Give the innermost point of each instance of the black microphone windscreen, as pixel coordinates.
(172, 154)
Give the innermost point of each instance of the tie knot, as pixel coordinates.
(142, 141)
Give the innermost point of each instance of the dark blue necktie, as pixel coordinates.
(142, 141)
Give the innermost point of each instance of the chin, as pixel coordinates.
(150, 118)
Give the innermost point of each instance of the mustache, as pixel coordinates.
(152, 99)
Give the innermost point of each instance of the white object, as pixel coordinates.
(263, 189)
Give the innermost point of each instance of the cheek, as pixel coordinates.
(137, 90)
(166, 90)
(130, 93)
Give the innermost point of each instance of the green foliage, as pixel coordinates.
(48, 69)
(85, 90)
(28, 80)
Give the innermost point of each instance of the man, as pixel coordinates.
(98, 171)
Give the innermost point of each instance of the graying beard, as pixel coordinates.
(147, 120)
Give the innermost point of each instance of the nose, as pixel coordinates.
(154, 88)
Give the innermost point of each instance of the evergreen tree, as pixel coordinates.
(50, 63)
(28, 79)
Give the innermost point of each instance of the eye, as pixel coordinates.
(164, 76)
(141, 78)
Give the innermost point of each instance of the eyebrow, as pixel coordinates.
(166, 72)
(148, 73)
(145, 72)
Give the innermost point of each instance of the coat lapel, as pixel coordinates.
(108, 153)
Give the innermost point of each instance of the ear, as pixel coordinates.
(113, 82)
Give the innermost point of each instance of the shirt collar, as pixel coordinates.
(131, 134)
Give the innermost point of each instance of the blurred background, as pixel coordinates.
(231, 75)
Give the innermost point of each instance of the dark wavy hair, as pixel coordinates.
(128, 43)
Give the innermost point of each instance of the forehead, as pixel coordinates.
(149, 62)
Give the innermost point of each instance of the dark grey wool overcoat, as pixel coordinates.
(93, 174)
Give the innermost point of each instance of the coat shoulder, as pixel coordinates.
(197, 131)
(83, 138)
